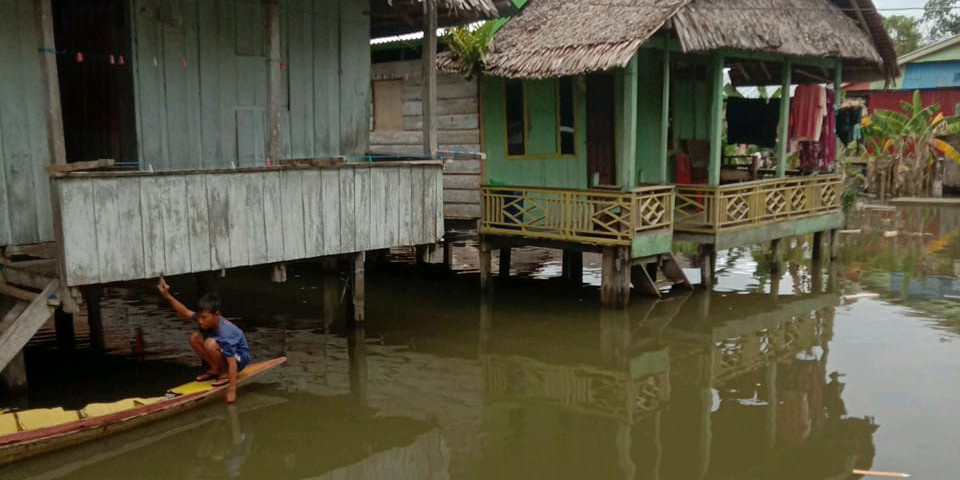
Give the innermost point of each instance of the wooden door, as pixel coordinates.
(601, 143)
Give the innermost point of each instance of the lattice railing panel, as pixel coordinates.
(582, 216)
(703, 209)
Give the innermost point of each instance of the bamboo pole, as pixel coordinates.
(716, 122)
(784, 132)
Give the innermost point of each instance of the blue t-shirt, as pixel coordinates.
(231, 340)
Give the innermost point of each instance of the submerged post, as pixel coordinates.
(615, 278)
(357, 287)
(783, 134)
(429, 93)
(716, 122)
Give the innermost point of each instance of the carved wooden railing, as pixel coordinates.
(712, 210)
(582, 216)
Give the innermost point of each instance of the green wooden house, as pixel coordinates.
(587, 105)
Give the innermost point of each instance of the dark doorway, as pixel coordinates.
(601, 143)
(94, 66)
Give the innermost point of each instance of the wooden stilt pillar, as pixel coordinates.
(615, 278)
(447, 252)
(66, 335)
(505, 263)
(92, 295)
(331, 290)
(775, 256)
(573, 266)
(816, 276)
(817, 245)
(775, 287)
(357, 354)
(486, 267)
(357, 288)
(833, 244)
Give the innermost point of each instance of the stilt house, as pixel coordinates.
(605, 127)
(236, 132)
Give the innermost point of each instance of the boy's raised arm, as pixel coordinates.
(180, 308)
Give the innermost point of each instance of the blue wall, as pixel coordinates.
(932, 75)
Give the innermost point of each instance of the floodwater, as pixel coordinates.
(804, 375)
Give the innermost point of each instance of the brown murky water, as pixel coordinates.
(806, 376)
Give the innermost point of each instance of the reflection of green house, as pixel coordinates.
(587, 106)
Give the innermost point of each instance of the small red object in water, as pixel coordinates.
(120, 61)
(79, 57)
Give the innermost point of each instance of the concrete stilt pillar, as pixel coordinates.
(486, 267)
(615, 278)
(817, 245)
(776, 257)
(66, 335)
(357, 288)
(573, 266)
(833, 244)
(505, 257)
(708, 265)
(91, 296)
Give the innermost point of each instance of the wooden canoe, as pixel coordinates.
(29, 443)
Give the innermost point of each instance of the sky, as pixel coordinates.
(918, 4)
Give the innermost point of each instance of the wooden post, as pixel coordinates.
(628, 133)
(274, 80)
(505, 256)
(92, 296)
(817, 245)
(357, 288)
(447, 253)
(716, 121)
(615, 278)
(51, 83)
(279, 273)
(486, 266)
(775, 257)
(357, 355)
(573, 265)
(331, 290)
(783, 137)
(14, 376)
(429, 93)
(664, 113)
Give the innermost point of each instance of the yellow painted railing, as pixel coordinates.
(582, 216)
(712, 210)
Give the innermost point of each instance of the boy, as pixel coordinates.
(219, 343)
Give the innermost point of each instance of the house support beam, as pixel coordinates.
(92, 296)
(615, 277)
(486, 266)
(429, 94)
(775, 256)
(572, 269)
(716, 121)
(708, 264)
(833, 244)
(65, 333)
(331, 290)
(505, 257)
(628, 129)
(783, 132)
(274, 80)
(356, 306)
(664, 117)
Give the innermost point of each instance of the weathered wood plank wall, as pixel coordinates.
(458, 124)
(139, 225)
(201, 80)
(25, 212)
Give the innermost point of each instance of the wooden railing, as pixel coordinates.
(582, 216)
(712, 210)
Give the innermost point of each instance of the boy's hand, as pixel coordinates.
(162, 287)
(231, 395)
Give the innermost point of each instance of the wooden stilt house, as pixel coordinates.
(235, 132)
(604, 127)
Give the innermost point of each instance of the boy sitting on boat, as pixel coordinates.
(219, 343)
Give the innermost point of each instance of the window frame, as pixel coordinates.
(526, 124)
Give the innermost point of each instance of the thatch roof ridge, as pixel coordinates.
(567, 37)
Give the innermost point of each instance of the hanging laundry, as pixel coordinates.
(807, 109)
(752, 121)
(820, 155)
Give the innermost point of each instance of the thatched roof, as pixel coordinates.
(567, 37)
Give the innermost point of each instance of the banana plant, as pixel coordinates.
(903, 148)
(470, 45)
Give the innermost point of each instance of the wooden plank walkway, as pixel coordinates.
(134, 225)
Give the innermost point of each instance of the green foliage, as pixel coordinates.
(942, 18)
(470, 47)
(905, 33)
